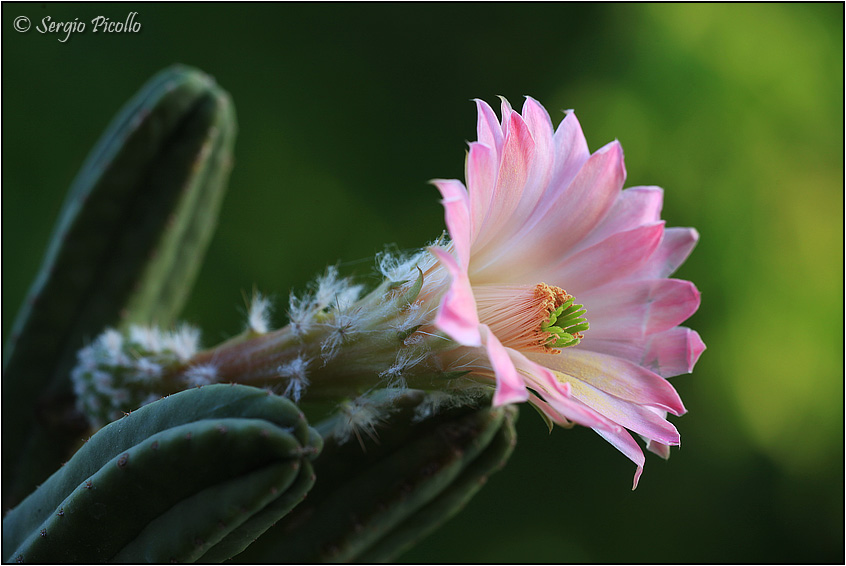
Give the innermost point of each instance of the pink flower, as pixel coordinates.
(539, 215)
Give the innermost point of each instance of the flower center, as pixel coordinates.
(543, 318)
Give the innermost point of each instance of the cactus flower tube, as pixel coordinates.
(553, 288)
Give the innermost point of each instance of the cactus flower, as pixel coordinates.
(540, 222)
(553, 288)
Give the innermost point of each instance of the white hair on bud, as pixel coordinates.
(358, 416)
(300, 314)
(396, 266)
(343, 326)
(296, 371)
(102, 381)
(110, 344)
(328, 285)
(412, 316)
(146, 338)
(406, 359)
(334, 292)
(258, 318)
(183, 342)
(200, 374)
(438, 401)
(348, 296)
(146, 370)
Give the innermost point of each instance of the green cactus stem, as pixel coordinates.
(376, 498)
(450, 501)
(126, 248)
(240, 538)
(187, 471)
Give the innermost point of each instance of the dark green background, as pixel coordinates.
(346, 111)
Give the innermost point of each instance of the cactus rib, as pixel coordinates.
(363, 496)
(240, 538)
(132, 231)
(152, 459)
(450, 501)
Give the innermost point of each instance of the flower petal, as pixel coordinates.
(571, 153)
(457, 214)
(488, 130)
(543, 159)
(631, 349)
(624, 442)
(673, 352)
(615, 376)
(658, 448)
(634, 207)
(507, 202)
(481, 172)
(611, 259)
(457, 313)
(674, 249)
(565, 411)
(557, 394)
(510, 387)
(578, 209)
(635, 309)
(634, 417)
(562, 222)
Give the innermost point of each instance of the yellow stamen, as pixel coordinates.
(522, 317)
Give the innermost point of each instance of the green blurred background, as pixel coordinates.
(346, 111)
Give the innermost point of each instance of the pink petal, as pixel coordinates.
(565, 411)
(634, 207)
(635, 309)
(547, 410)
(506, 110)
(457, 213)
(557, 394)
(611, 259)
(578, 209)
(564, 220)
(658, 448)
(615, 376)
(543, 160)
(509, 385)
(538, 120)
(488, 130)
(501, 220)
(481, 171)
(634, 417)
(457, 313)
(571, 153)
(673, 352)
(674, 249)
(624, 442)
(630, 349)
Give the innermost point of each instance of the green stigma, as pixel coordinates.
(565, 325)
